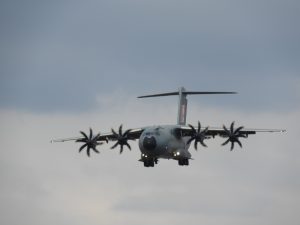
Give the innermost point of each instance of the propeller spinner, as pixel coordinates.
(121, 138)
(233, 135)
(90, 142)
(198, 135)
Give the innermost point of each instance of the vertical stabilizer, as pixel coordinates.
(182, 107)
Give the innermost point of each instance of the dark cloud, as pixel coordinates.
(61, 55)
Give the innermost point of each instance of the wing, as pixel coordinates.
(219, 131)
(109, 136)
(91, 141)
(232, 134)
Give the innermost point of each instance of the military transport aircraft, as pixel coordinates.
(166, 141)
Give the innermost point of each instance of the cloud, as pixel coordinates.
(69, 66)
(42, 181)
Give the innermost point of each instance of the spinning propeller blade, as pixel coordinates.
(121, 138)
(198, 136)
(90, 142)
(233, 135)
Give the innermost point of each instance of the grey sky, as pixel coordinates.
(53, 53)
(66, 66)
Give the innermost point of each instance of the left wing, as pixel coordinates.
(90, 141)
(218, 131)
(232, 134)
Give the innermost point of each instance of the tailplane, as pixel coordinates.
(182, 103)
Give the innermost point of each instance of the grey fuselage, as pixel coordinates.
(164, 142)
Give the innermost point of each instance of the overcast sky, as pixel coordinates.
(66, 66)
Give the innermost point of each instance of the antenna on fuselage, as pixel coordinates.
(182, 101)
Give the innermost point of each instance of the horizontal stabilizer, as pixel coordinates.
(182, 103)
(188, 93)
(158, 95)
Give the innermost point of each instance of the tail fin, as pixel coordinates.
(182, 103)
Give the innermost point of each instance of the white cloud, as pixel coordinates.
(41, 181)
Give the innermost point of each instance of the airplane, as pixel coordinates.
(167, 141)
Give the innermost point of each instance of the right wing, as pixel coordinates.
(91, 141)
(133, 134)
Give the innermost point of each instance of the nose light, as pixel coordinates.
(149, 143)
(176, 154)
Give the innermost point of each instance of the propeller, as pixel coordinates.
(121, 138)
(198, 135)
(90, 142)
(233, 135)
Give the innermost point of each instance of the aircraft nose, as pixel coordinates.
(149, 143)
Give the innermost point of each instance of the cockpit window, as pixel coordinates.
(156, 132)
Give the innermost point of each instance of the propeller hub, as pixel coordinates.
(233, 135)
(90, 142)
(121, 138)
(198, 135)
